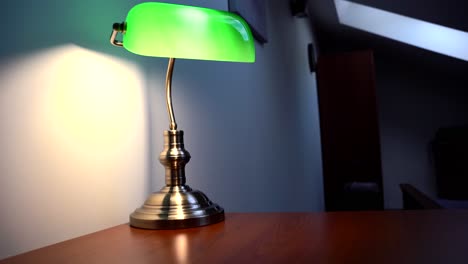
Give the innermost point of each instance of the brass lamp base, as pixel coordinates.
(176, 205)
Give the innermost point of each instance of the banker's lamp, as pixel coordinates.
(187, 32)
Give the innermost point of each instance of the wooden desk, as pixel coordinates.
(439, 236)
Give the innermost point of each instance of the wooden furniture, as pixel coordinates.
(414, 199)
(349, 131)
(429, 236)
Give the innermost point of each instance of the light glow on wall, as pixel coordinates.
(93, 102)
(422, 34)
(73, 137)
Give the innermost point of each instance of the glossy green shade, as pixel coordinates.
(178, 31)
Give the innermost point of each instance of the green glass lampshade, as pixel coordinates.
(178, 31)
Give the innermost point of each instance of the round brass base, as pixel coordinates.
(176, 207)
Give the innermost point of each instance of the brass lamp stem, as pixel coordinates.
(170, 109)
(176, 205)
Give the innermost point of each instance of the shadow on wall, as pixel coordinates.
(415, 100)
(36, 25)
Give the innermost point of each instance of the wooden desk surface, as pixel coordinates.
(438, 236)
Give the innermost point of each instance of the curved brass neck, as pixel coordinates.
(117, 28)
(170, 109)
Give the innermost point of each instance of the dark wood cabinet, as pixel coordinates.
(349, 131)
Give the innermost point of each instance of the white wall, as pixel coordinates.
(82, 122)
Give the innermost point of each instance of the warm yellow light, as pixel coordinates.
(74, 141)
(181, 248)
(93, 103)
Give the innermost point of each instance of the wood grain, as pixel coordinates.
(432, 236)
